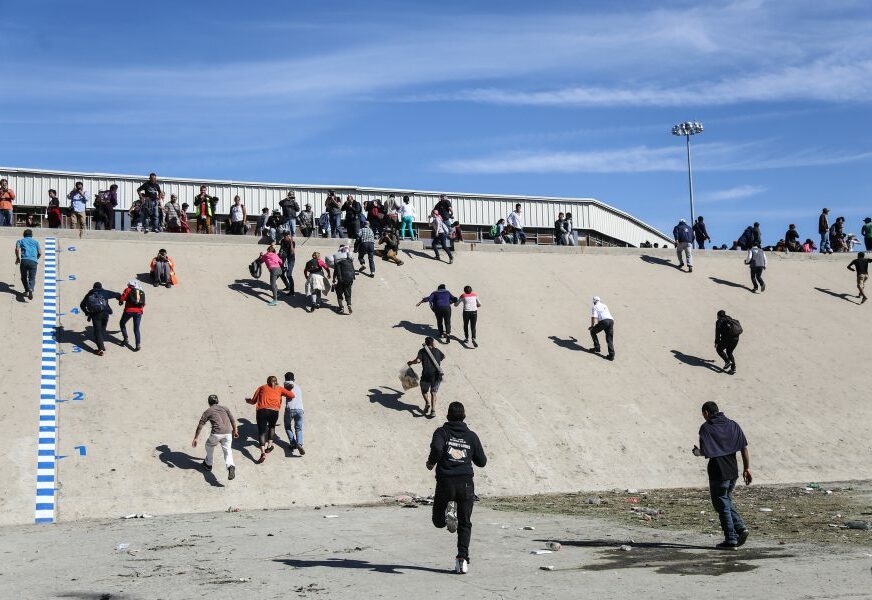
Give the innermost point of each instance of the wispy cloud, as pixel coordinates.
(735, 193)
(643, 159)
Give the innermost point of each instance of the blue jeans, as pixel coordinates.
(5, 218)
(153, 218)
(136, 318)
(408, 221)
(825, 243)
(28, 274)
(294, 426)
(291, 225)
(336, 225)
(519, 234)
(722, 500)
(442, 240)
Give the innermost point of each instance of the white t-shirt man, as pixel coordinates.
(516, 219)
(600, 311)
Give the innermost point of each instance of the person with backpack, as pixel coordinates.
(861, 266)
(294, 415)
(700, 233)
(720, 439)
(97, 309)
(104, 208)
(440, 303)
(431, 359)
(757, 261)
(746, 240)
(133, 299)
(440, 235)
(601, 320)
(727, 332)
(267, 400)
(343, 277)
(470, 313)
(223, 432)
(454, 449)
(290, 210)
(496, 231)
(163, 270)
(683, 236)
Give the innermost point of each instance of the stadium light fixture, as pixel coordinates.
(687, 129)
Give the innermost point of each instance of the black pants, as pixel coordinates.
(266, 424)
(352, 227)
(366, 249)
(470, 317)
(462, 491)
(757, 277)
(442, 240)
(343, 290)
(443, 319)
(725, 350)
(607, 325)
(98, 324)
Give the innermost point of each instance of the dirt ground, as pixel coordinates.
(811, 513)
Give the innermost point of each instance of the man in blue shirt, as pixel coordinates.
(683, 236)
(440, 303)
(27, 254)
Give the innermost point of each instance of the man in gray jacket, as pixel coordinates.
(683, 236)
(757, 261)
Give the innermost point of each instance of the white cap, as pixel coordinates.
(596, 299)
(681, 220)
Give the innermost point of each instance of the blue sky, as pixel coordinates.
(544, 98)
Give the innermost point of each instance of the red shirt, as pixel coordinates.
(271, 398)
(128, 307)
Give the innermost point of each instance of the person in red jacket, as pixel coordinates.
(133, 299)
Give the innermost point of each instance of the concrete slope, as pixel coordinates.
(551, 416)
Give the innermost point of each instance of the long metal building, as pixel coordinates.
(595, 221)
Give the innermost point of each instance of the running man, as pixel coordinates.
(268, 400)
(431, 359)
(601, 320)
(453, 450)
(719, 440)
(470, 313)
(859, 264)
(294, 415)
(757, 261)
(133, 299)
(727, 332)
(223, 433)
(97, 309)
(27, 255)
(440, 303)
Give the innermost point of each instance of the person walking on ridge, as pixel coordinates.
(454, 449)
(27, 255)
(601, 320)
(149, 196)
(515, 219)
(268, 400)
(365, 244)
(440, 233)
(471, 305)
(317, 283)
(273, 262)
(294, 415)
(720, 439)
(440, 303)
(683, 236)
(78, 203)
(727, 332)
(223, 432)
(343, 278)
(97, 309)
(700, 233)
(861, 266)
(133, 299)
(431, 359)
(866, 232)
(824, 231)
(757, 261)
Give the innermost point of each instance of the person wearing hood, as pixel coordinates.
(720, 439)
(757, 261)
(683, 236)
(454, 449)
(727, 332)
(97, 309)
(601, 320)
(866, 231)
(700, 233)
(133, 299)
(163, 270)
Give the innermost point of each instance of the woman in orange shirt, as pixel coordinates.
(268, 401)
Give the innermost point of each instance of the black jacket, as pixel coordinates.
(290, 208)
(344, 271)
(454, 449)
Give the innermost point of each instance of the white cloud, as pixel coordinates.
(734, 193)
(643, 159)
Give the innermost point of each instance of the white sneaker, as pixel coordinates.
(451, 516)
(461, 566)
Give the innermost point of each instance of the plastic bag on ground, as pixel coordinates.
(408, 378)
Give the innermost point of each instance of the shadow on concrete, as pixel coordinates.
(180, 460)
(416, 253)
(81, 339)
(569, 344)
(144, 278)
(424, 329)
(695, 361)
(254, 288)
(846, 297)
(654, 260)
(732, 284)
(391, 399)
(348, 563)
(6, 288)
(248, 436)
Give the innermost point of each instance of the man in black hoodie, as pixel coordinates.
(727, 332)
(453, 451)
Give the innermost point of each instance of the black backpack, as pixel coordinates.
(732, 327)
(254, 268)
(136, 298)
(95, 303)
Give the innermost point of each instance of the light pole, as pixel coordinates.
(687, 129)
